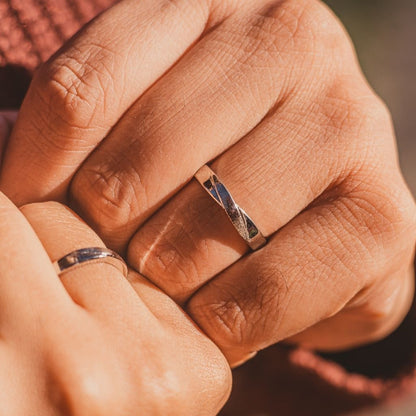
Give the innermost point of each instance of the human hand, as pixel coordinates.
(88, 342)
(7, 119)
(272, 93)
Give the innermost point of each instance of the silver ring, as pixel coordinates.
(89, 255)
(241, 221)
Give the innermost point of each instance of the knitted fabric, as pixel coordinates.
(30, 31)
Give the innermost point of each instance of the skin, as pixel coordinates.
(7, 120)
(271, 95)
(70, 347)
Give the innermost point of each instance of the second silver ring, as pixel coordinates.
(241, 221)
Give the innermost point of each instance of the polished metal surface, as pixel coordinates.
(241, 221)
(85, 256)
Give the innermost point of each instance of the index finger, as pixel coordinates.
(78, 96)
(28, 281)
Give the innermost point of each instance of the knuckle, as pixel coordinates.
(107, 197)
(224, 320)
(400, 212)
(353, 120)
(382, 215)
(173, 388)
(230, 320)
(345, 111)
(62, 91)
(383, 314)
(162, 259)
(299, 38)
(217, 385)
(93, 388)
(101, 400)
(74, 87)
(307, 24)
(393, 210)
(170, 387)
(325, 35)
(370, 116)
(234, 319)
(173, 248)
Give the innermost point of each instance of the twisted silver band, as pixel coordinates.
(89, 255)
(241, 221)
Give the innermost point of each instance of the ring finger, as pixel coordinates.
(97, 286)
(274, 173)
(217, 93)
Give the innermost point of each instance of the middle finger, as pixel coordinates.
(220, 90)
(274, 173)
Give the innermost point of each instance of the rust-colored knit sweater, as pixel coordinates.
(30, 31)
(280, 380)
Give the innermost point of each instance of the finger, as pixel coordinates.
(367, 319)
(77, 97)
(218, 92)
(330, 255)
(98, 287)
(28, 281)
(152, 323)
(273, 173)
(7, 120)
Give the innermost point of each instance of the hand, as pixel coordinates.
(7, 119)
(271, 93)
(100, 347)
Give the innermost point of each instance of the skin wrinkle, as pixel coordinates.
(71, 94)
(345, 224)
(321, 143)
(188, 236)
(343, 262)
(142, 265)
(63, 145)
(267, 298)
(166, 245)
(52, 114)
(288, 155)
(357, 222)
(99, 20)
(231, 318)
(77, 389)
(123, 195)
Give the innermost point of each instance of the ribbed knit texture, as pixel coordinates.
(31, 30)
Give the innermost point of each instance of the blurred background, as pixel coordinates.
(384, 33)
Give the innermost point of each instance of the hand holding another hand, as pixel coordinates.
(270, 94)
(88, 342)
